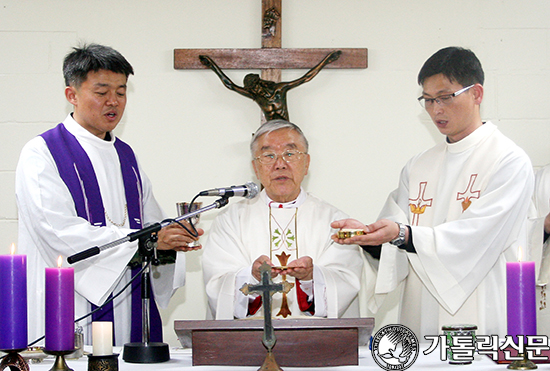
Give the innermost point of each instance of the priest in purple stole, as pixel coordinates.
(79, 186)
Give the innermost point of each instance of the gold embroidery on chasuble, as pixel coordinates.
(419, 204)
(283, 245)
(469, 194)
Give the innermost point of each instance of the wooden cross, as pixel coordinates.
(271, 58)
(267, 288)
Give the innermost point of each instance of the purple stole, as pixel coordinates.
(76, 170)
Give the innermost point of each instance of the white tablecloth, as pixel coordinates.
(180, 359)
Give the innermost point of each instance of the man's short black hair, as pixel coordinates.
(93, 57)
(457, 64)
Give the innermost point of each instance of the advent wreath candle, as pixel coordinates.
(521, 298)
(13, 301)
(59, 308)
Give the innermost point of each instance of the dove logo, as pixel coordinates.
(394, 347)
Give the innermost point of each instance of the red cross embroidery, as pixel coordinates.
(418, 205)
(468, 194)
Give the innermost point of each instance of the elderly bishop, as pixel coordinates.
(287, 228)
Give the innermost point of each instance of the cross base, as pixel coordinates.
(270, 364)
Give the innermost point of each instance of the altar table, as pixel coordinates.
(181, 361)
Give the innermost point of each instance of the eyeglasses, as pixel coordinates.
(442, 100)
(269, 158)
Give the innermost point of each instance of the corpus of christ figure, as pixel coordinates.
(270, 96)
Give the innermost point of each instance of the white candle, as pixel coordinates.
(102, 338)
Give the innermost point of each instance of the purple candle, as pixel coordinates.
(59, 308)
(521, 298)
(13, 301)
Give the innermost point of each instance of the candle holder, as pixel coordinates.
(522, 364)
(59, 364)
(103, 363)
(14, 361)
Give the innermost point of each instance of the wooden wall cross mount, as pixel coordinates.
(271, 58)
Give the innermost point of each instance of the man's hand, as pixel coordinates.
(175, 237)
(377, 233)
(258, 263)
(349, 224)
(383, 231)
(301, 269)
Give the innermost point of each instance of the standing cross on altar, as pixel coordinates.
(267, 288)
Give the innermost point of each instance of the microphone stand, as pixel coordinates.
(147, 231)
(146, 351)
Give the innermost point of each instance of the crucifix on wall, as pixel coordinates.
(270, 59)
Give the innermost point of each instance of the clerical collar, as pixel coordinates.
(473, 139)
(84, 135)
(108, 135)
(287, 205)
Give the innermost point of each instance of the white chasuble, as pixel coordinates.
(466, 203)
(540, 251)
(250, 228)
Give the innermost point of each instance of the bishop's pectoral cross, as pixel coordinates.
(267, 288)
(271, 58)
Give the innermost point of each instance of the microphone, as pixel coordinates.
(248, 190)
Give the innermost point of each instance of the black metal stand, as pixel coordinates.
(146, 351)
(144, 232)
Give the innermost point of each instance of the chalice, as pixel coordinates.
(186, 208)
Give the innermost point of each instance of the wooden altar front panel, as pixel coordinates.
(300, 342)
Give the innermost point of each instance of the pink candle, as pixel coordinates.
(521, 298)
(59, 308)
(13, 301)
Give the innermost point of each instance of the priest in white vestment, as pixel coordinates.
(540, 224)
(49, 224)
(286, 228)
(455, 219)
(539, 231)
